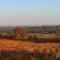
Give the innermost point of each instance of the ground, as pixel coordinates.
(17, 45)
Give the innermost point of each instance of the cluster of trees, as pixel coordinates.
(44, 29)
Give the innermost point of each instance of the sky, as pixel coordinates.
(29, 12)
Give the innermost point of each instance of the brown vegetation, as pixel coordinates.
(25, 50)
(11, 45)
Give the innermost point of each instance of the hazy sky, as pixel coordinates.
(29, 12)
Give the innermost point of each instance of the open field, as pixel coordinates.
(28, 50)
(11, 45)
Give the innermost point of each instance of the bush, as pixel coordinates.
(30, 37)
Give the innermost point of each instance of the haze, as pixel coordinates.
(29, 12)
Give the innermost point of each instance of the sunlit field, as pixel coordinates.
(11, 45)
(15, 47)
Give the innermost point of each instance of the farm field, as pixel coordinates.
(25, 50)
(11, 45)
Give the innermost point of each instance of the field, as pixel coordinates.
(17, 46)
(11, 45)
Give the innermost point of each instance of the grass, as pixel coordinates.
(26, 50)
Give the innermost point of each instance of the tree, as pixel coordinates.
(30, 37)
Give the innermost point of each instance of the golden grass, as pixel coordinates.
(11, 45)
